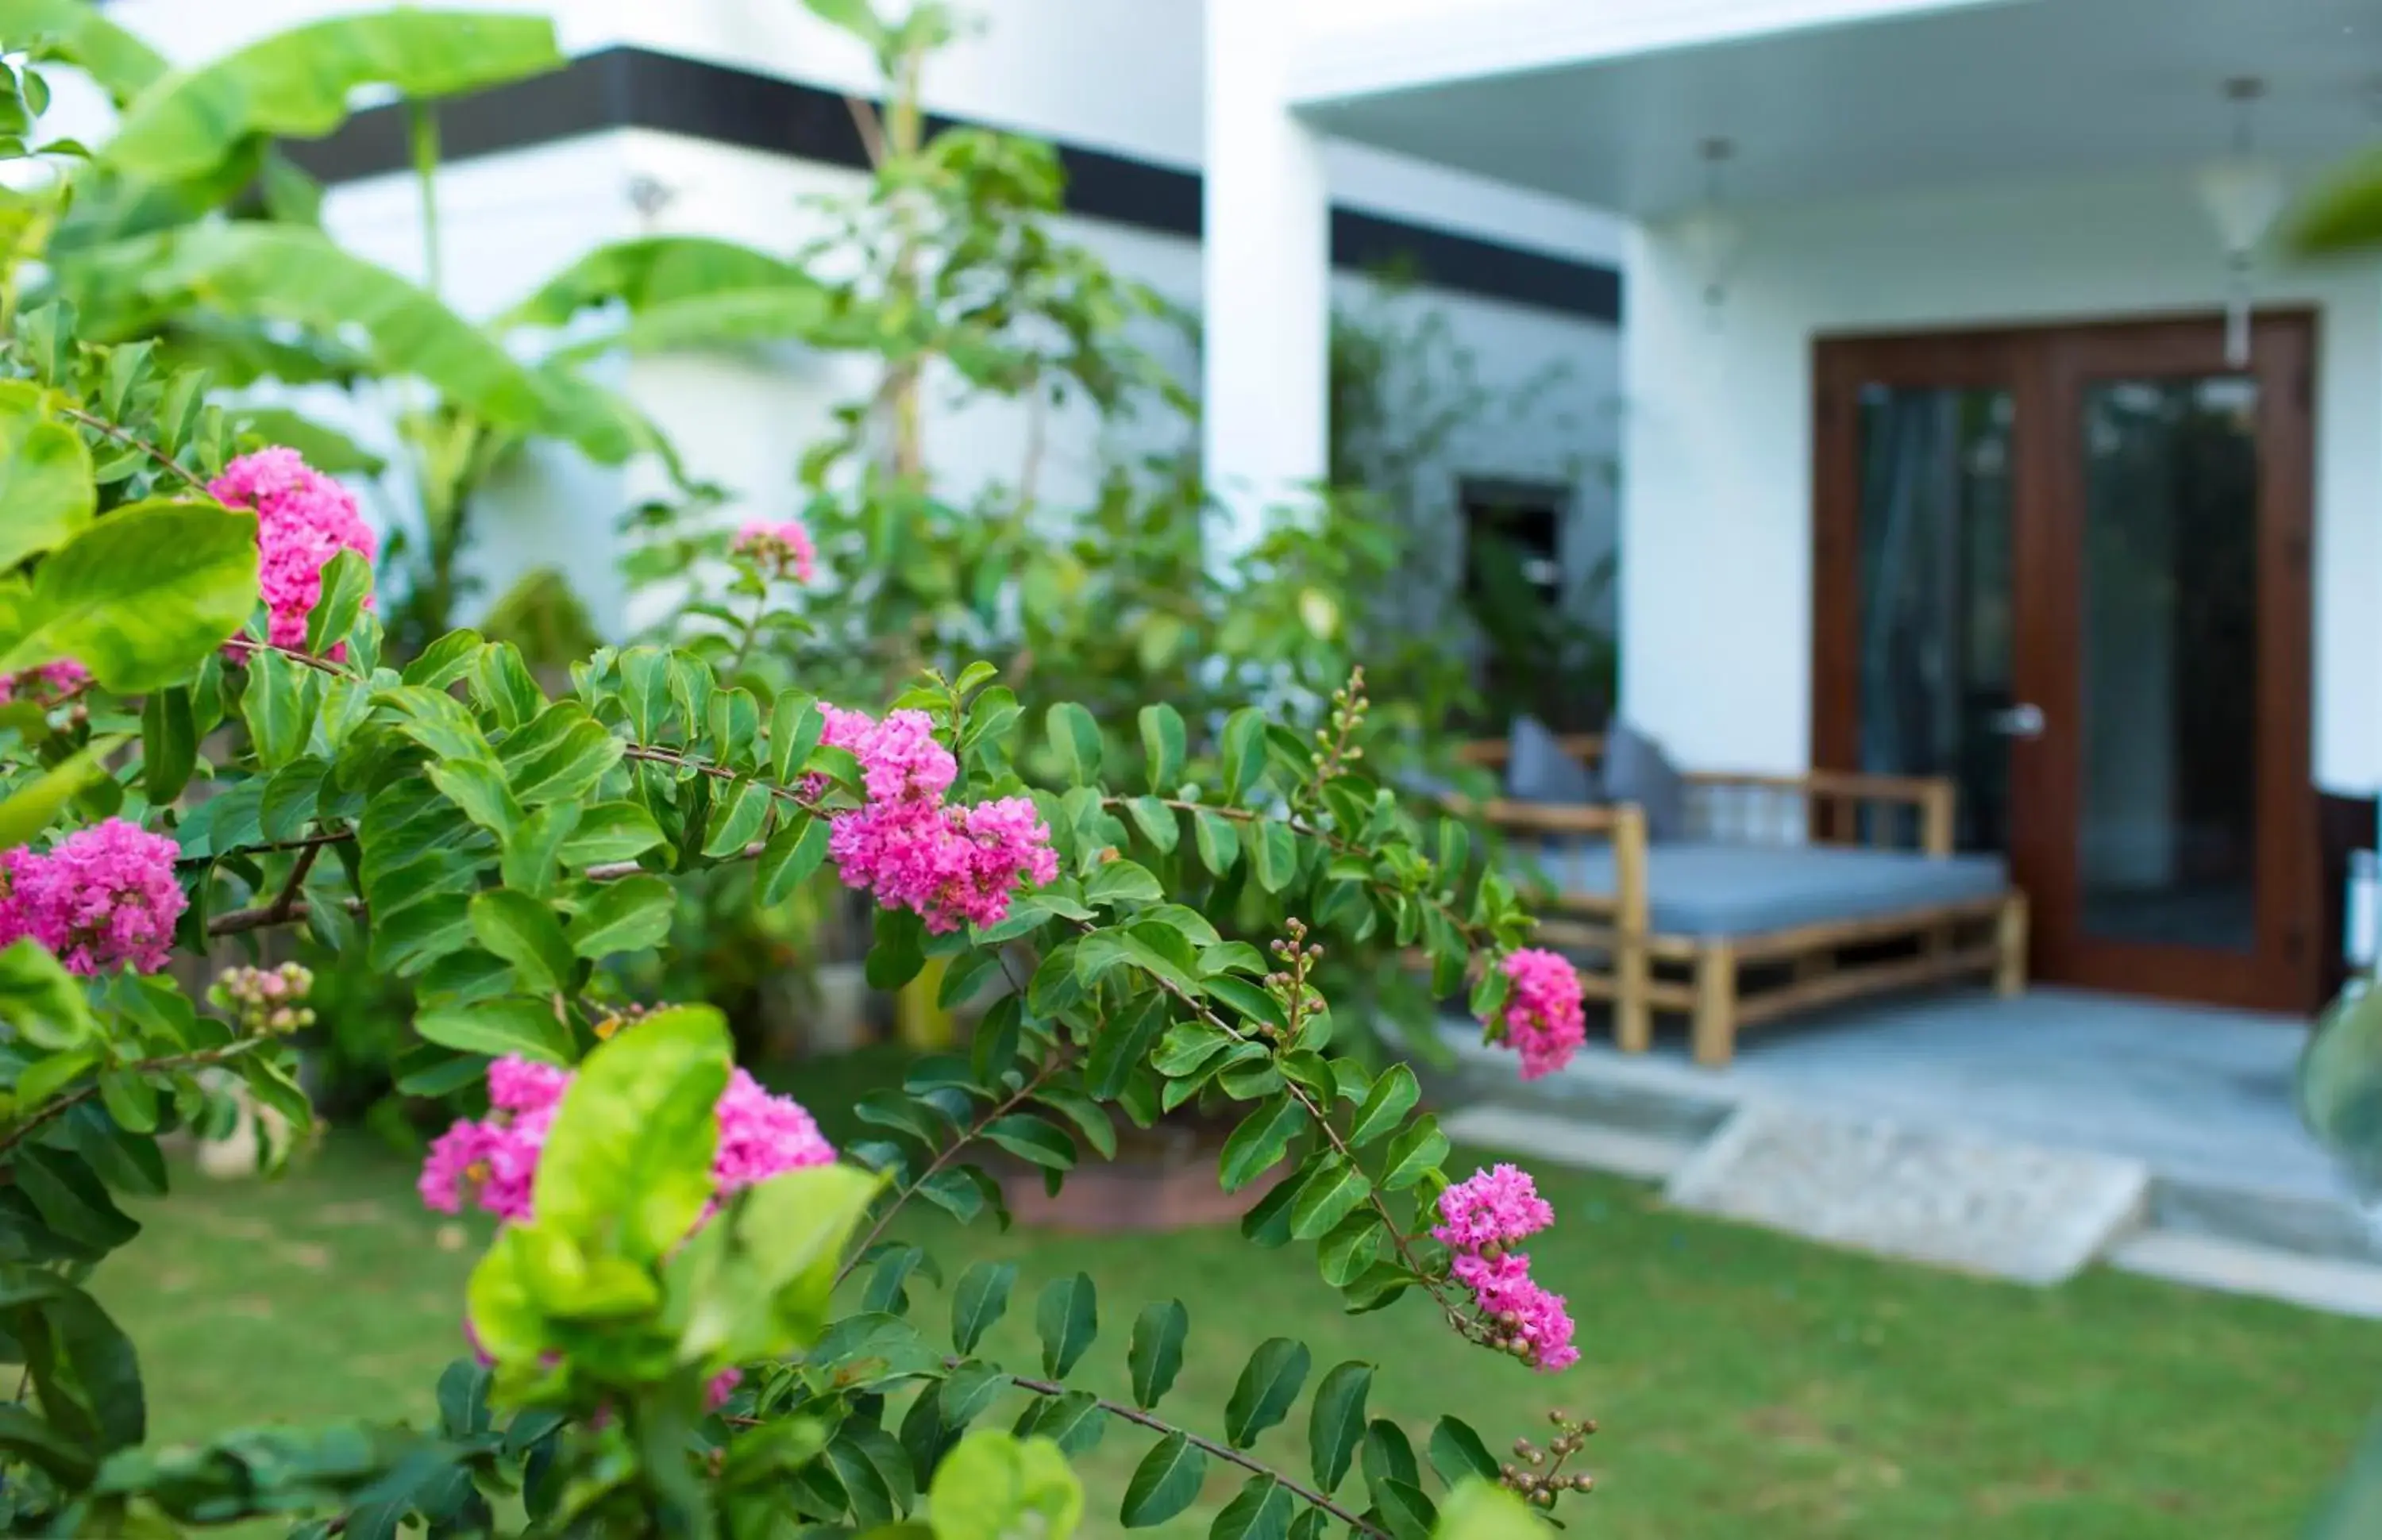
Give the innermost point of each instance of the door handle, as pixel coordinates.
(2023, 720)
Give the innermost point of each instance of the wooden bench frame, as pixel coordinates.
(1640, 971)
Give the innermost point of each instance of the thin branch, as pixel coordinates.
(1222, 1451)
(109, 430)
(967, 1136)
(321, 665)
(305, 863)
(49, 1110)
(305, 842)
(871, 129)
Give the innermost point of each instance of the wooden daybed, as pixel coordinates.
(1789, 892)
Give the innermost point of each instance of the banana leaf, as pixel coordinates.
(326, 448)
(650, 271)
(299, 84)
(74, 31)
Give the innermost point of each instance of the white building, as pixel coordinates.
(720, 116)
(1936, 456)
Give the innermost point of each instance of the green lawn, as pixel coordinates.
(1748, 1385)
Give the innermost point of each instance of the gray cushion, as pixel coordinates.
(1537, 769)
(1636, 770)
(1694, 888)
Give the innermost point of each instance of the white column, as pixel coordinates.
(1266, 268)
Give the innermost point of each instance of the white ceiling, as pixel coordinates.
(2027, 90)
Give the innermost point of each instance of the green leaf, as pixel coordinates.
(2344, 215)
(1163, 741)
(120, 62)
(1456, 1452)
(1418, 1149)
(791, 855)
(1479, 1509)
(899, 952)
(1275, 855)
(494, 1028)
(1073, 1422)
(70, 1198)
(626, 916)
(1066, 1317)
(1261, 1141)
(1335, 1422)
(1244, 752)
(1122, 882)
(45, 485)
(735, 823)
(347, 584)
(298, 83)
(1075, 738)
(1394, 1096)
(1165, 1482)
(795, 724)
(1406, 1509)
(1154, 1356)
(1344, 1255)
(169, 744)
(647, 271)
(994, 1486)
(533, 850)
(1260, 1510)
(1249, 1000)
(30, 807)
(444, 661)
(562, 755)
(501, 685)
(323, 447)
(982, 1299)
(1090, 1119)
(1120, 1047)
(1326, 1197)
(1219, 843)
(278, 706)
(629, 1156)
(1030, 1138)
(608, 832)
(1188, 1045)
(1156, 823)
(1388, 1456)
(525, 934)
(141, 597)
(1266, 1389)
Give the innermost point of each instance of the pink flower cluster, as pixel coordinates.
(493, 1161)
(951, 864)
(45, 685)
(304, 519)
(101, 898)
(1543, 1020)
(778, 549)
(1481, 1217)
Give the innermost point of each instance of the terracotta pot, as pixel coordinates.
(1141, 1190)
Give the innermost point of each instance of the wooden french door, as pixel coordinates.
(2069, 568)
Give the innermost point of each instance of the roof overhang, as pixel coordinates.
(1608, 103)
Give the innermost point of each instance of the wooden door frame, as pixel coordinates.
(2042, 367)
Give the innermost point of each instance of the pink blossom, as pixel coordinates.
(45, 685)
(951, 864)
(100, 898)
(780, 549)
(1543, 1019)
(1481, 1217)
(493, 1161)
(1495, 1207)
(304, 519)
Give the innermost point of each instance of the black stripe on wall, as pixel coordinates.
(634, 88)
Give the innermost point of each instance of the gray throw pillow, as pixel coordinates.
(1537, 770)
(1636, 770)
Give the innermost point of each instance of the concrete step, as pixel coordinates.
(2229, 1266)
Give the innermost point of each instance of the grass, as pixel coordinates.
(1747, 1383)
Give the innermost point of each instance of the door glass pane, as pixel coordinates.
(1935, 595)
(2167, 838)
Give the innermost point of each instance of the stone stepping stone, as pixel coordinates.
(1961, 1201)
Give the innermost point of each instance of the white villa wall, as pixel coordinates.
(1716, 506)
(1120, 75)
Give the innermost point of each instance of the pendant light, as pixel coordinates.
(1711, 235)
(2244, 193)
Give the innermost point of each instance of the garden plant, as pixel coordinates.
(205, 737)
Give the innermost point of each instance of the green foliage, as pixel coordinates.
(521, 852)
